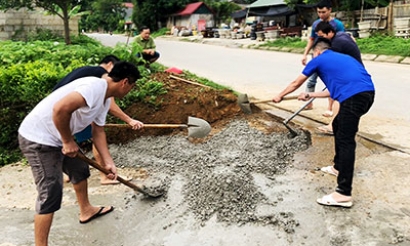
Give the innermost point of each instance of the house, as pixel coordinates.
(128, 15)
(194, 16)
(276, 14)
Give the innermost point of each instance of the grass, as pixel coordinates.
(379, 44)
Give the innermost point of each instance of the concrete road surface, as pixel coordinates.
(261, 74)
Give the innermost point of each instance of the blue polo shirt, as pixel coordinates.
(343, 75)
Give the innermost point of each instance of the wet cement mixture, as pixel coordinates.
(247, 183)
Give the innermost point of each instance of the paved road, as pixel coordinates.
(261, 74)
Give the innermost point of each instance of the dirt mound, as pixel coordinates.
(182, 100)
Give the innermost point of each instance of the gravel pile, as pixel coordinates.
(220, 171)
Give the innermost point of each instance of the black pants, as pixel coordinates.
(345, 126)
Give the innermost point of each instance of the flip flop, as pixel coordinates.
(329, 170)
(325, 130)
(98, 214)
(329, 201)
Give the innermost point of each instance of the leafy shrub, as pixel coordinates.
(29, 71)
(41, 34)
(384, 45)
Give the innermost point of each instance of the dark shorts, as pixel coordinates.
(47, 165)
(84, 135)
(148, 57)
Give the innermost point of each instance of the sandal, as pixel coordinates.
(328, 113)
(329, 170)
(328, 200)
(325, 130)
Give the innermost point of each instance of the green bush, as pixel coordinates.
(378, 44)
(384, 45)
(44, 35)
(29, 71)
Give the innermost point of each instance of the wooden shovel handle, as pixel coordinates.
(270, 100)
(149, 125)
(103, 170)
(189, 82)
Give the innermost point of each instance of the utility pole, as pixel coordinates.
(390, 17)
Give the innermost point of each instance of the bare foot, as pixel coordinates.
(94, 213)
(309, 107)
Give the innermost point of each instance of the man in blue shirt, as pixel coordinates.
(353, 88)
(324, 9)
(344, 43)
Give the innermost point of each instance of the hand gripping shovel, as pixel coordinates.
(149, 191)
(245, 105)
(197, 128)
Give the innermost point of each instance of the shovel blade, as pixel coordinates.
(198, 128)
(244, 104)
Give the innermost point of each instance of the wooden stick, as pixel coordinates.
(187, 81)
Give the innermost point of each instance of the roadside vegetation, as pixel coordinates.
(378, 44)
(29, 71)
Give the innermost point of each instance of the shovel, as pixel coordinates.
(293, 133)
(149, 191)
(197, 128)
(245, 105)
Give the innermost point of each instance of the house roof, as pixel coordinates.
(129, 5)
(265, 3)
(191, 8)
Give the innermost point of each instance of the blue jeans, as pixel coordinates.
(345, 126)
(311, 84)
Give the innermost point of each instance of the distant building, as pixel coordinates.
(195, 15)
(128, 15)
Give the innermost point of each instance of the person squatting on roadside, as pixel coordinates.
(323, 9)
(105, 66)
(149, 54)
(46, 140)
(342, 42)
(352, 87)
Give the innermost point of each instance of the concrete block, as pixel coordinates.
(369, 57)
(4, 35)
(285, 49)
(392, 59)
(405, 61)
(14, 22)
(29, 22)
(9, 28)
(274, 48)
(298, 50)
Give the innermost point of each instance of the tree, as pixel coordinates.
(222, 9)
(106, 14)
(152, 12)
(61, 8)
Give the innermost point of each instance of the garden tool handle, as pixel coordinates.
(149, 125)
(270, 100)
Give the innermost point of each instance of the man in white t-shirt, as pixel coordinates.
(46, 139)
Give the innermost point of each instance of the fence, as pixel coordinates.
(16, 24)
